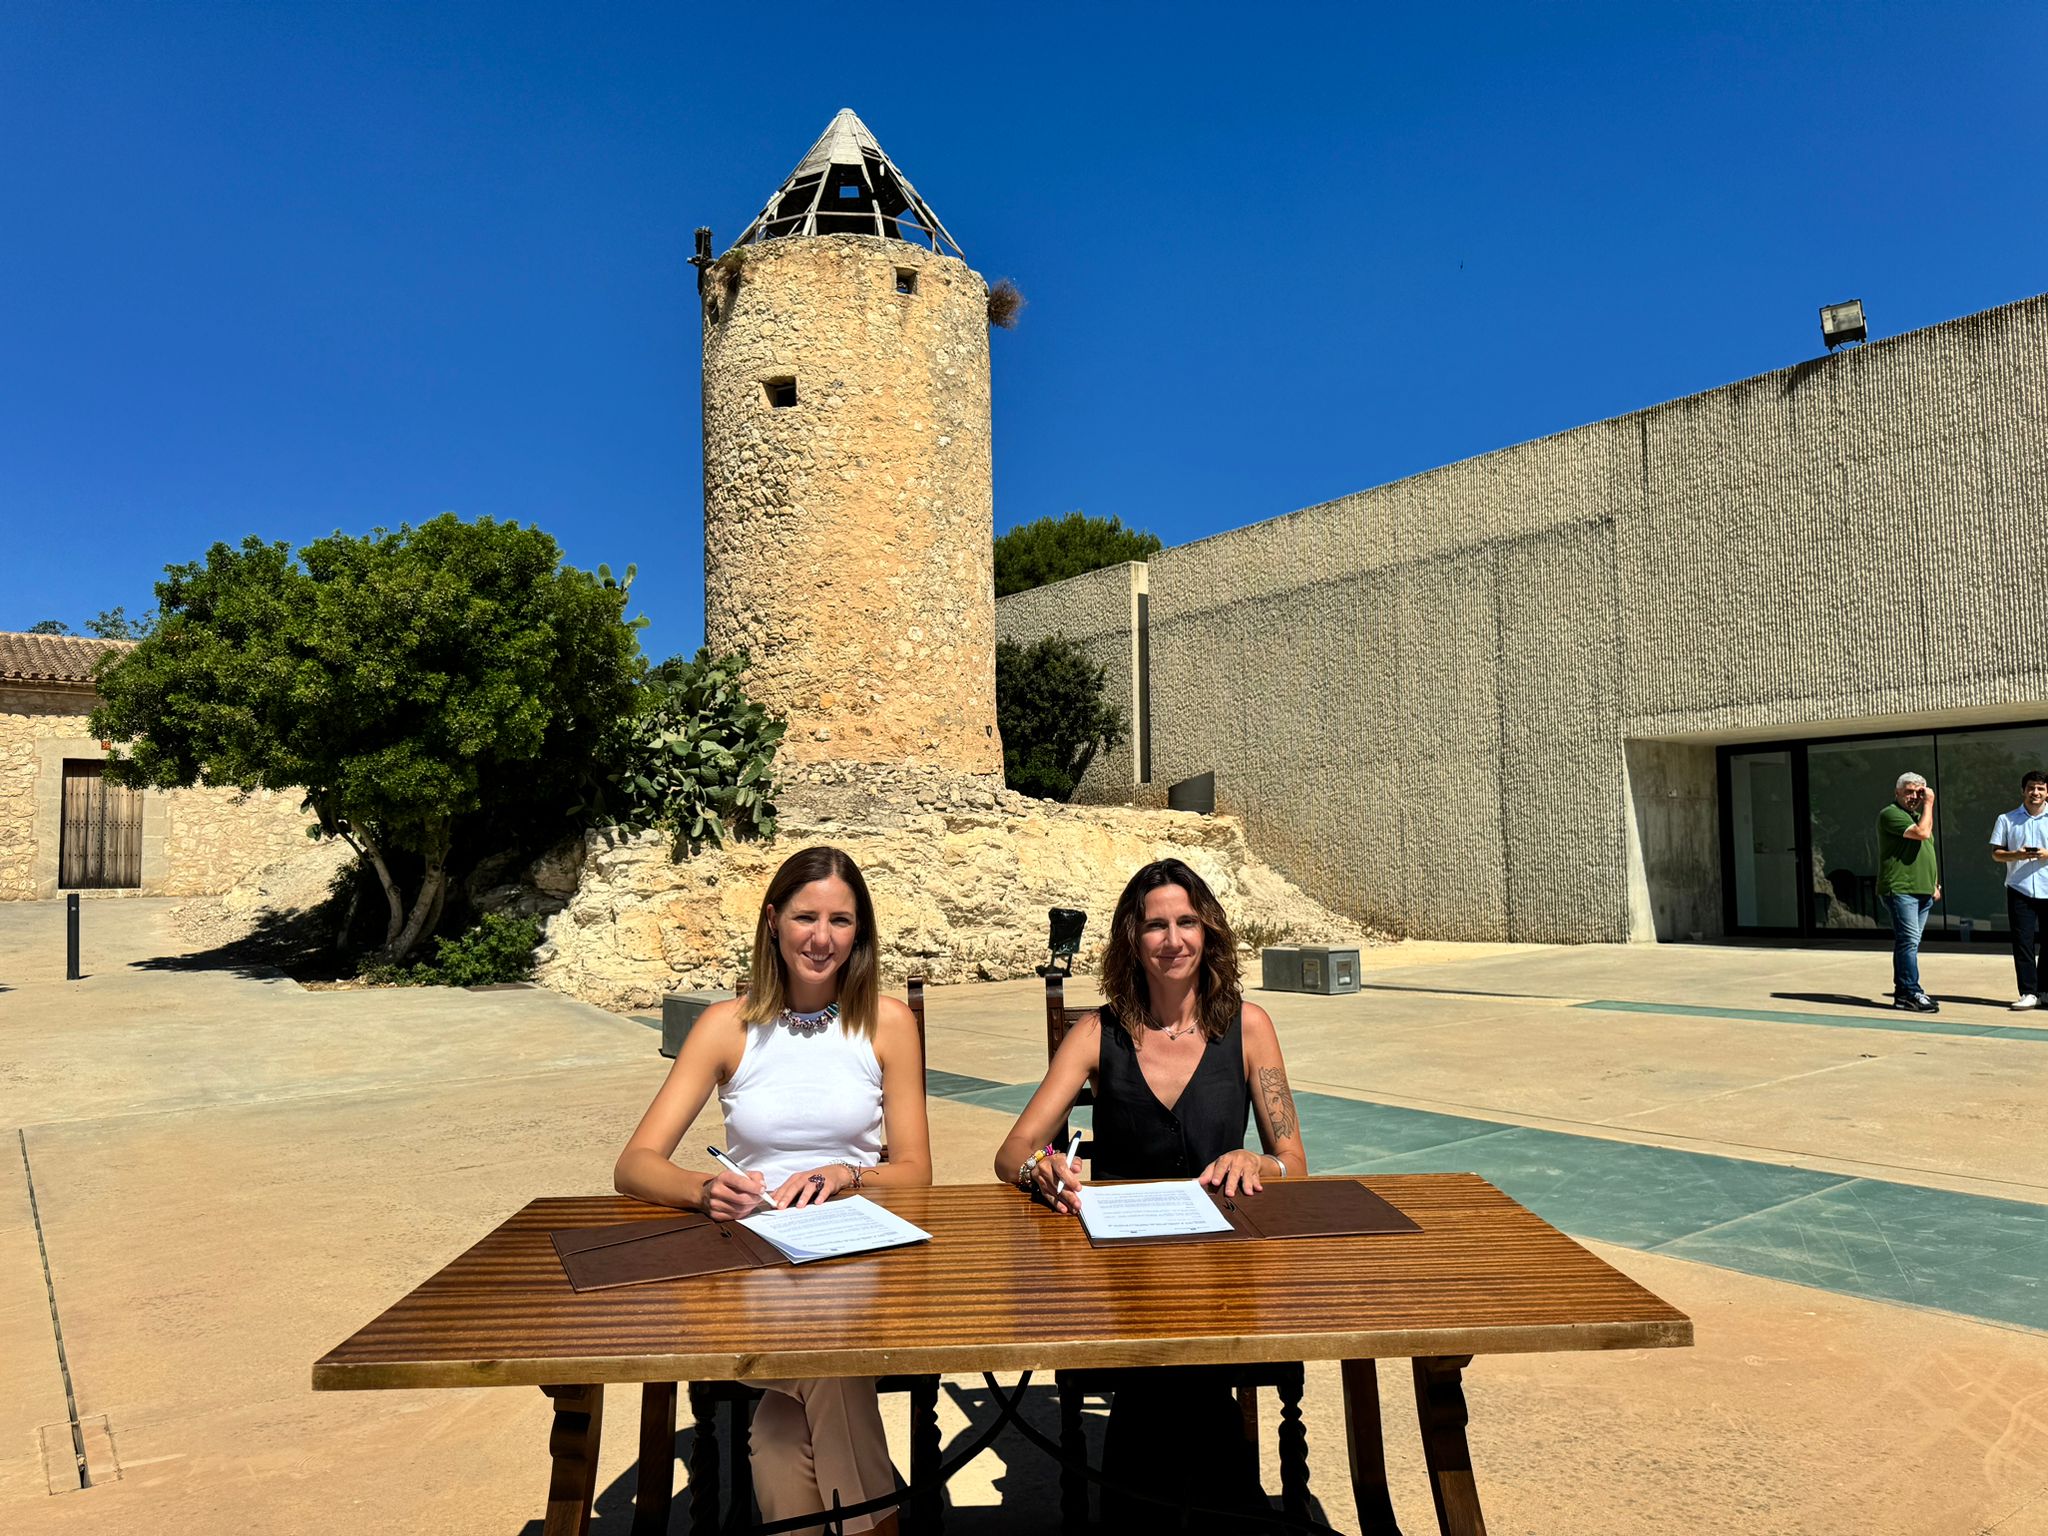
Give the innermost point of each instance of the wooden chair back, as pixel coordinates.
(1059, 1018)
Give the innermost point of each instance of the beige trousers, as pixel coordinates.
(815, 1437)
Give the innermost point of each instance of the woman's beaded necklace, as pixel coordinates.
(807, 1024)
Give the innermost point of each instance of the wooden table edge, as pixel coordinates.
(970, 1359)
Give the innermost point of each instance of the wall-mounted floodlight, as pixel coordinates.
(1842, 323)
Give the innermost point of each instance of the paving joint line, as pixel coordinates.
(56, 1327)
(1762, 1210)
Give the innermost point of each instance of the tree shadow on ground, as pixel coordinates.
(295, 944)
(1851, 1000)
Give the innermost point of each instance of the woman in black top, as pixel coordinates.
(1177, 1058)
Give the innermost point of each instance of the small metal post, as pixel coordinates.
(71, 937)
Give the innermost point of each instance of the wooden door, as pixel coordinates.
(101, 844)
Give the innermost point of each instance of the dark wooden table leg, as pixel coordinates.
(927, 1499)
(656, 1487)
(572, 1444)
(1440, 1405)
(1293, 1448)
(703, 1460)
(1368, 1449)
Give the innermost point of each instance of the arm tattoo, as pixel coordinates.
(1279, 1102)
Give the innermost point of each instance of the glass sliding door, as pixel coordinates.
(1979, 776)
(1848, 783)
(1765, 840)
(1799, 829)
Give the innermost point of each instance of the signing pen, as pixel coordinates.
(736, 1168)
(1073, 1146)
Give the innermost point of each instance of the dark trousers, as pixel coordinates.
(1175, 1431)
(2029, 918)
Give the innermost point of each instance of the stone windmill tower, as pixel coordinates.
(847, 498)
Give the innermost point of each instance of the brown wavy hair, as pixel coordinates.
(859, 979)
(1220, 993)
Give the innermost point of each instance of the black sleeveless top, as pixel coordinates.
(1137, 1137)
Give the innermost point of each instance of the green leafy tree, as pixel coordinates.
(405, 682)
(1050, 549)
(697, 759)
(114, 624)
(49, 627)
(1052, 714)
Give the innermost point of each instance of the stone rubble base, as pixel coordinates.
(962, 872)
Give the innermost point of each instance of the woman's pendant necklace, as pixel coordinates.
(1177, 1030)
(807, 1024)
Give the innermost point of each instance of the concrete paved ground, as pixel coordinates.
(231, 1174)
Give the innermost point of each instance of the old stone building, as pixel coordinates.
(847, 506)
(1649, 678)
(64, 828)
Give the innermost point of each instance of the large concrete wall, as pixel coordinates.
(1099, 613)
(1421, 698)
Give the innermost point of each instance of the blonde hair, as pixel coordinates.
(859, 979)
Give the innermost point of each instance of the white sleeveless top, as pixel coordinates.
(799, 1102)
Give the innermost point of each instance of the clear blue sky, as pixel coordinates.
(286, 268)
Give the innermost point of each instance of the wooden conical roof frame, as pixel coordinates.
(846, 185)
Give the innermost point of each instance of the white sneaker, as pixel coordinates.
(2027, 1000)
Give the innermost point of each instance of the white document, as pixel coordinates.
(1149, 1210)
(831, 1229)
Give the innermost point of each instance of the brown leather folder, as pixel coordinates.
(674, 1248)
(1327, 1207)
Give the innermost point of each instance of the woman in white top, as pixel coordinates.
(815, 1072)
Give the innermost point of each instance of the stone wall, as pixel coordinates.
(1421, 699)
(961, 874)
(27, 718)
(216, 836)
(1098, 612)
(194, 841)
(848, 537)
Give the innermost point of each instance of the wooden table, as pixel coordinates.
(1007, 1285)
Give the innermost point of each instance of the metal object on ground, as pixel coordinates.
(679, 1010)
(71, 937)
(1308, 968)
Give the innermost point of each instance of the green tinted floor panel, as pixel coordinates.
(1970, 1254)
(1895, 1242)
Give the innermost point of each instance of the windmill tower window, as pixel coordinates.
(906, 280)
(780, 392)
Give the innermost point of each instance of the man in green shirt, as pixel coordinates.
(1908, 883)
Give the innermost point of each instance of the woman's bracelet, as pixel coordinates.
(1281, 1161)
(856, 1170)
(1024, 1180)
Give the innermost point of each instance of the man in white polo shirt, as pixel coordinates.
(2019, 841)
